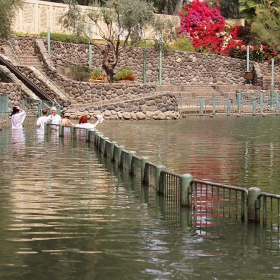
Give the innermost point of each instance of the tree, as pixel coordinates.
(7, 14)
(124, 22)
(229, 8)
(266, 26)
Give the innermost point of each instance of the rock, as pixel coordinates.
(140, 116)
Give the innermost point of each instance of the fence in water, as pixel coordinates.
(206, 199)
(237, 106)
(33, 109)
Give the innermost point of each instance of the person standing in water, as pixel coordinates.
(17, 117)
(40, 124)
(54, 117)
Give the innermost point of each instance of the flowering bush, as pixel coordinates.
(203, 24)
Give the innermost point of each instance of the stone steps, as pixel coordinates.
(30, 60)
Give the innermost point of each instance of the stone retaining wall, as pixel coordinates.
(124, 100)
(177, 68)
(14, 92)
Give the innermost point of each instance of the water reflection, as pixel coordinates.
(18, 140)
(69, 213)
(236, 151)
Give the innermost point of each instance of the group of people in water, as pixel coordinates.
(18, 116)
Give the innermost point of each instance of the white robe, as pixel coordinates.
(18, 119)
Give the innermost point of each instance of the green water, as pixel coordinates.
(69, 213)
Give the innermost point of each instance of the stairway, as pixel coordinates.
(30, 60)
(267, 82)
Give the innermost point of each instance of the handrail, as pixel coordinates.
(62, 91)
(15, 82)
(39, 92)
(11, 45)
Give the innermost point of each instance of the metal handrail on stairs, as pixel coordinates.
(10, 77)
(12, 47)
(34, 88)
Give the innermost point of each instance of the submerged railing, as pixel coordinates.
(203, 197)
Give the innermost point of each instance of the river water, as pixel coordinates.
(69, 213)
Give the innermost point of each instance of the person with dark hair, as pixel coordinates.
(40, 124)
(17, 117)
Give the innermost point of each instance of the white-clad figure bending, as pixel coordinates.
(54, 117)
(17, 117)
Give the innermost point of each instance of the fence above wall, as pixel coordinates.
(36, 16)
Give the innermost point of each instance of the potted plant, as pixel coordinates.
(124, 74)
(97, 76)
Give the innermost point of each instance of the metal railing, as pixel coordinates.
(34, 88)
(253, 106)
(12, 79)
(269, 213)
(206, 199)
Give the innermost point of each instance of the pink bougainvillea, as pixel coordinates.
(204, 25)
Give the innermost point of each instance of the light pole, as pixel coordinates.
(272, 84)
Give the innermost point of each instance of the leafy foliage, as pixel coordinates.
(183, 44)
(124, 74)
(124, 20)
(7, 15)
(66, 38)
(266, 26)
(203, 24)
(97, 74)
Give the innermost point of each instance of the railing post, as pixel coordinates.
(238, 103)
(181, 100)
(73, 132)
(254, 108)
(113, 143)
(120, 149)
(251, 202)
(159, 168)
(130, 154)
(103, 144)
(61, 130)
(277, 103)
(87, 134)
(228, 107)
(201, 105)
(261, 102)
(185, 190)
(214, 104)
(144, 66)
(144, 160)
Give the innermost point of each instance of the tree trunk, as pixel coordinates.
(109, 61)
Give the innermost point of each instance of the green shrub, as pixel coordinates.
(97, 74)
(124, 74)
(183, 44)
(79, 73)
(66, 38)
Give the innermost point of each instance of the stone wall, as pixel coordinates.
(122, 100)
(177, 68)
(14, 88)
(14, 92)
